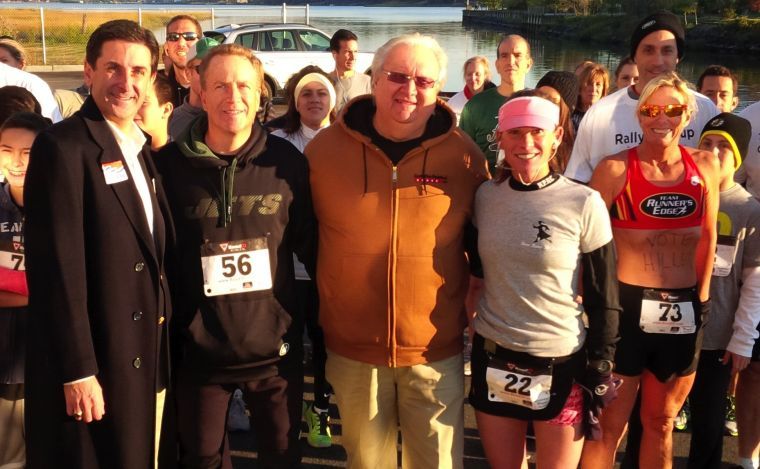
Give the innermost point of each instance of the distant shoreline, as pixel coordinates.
(736, 35)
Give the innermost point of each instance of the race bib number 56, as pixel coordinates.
(232, 267)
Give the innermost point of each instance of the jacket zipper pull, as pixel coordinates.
(394, 177)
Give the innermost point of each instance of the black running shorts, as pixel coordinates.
(565, 371)
(664, 355)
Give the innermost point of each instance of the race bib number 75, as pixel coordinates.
(233, 267)
(12, 255)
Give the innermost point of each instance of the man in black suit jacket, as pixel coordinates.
(97, 234)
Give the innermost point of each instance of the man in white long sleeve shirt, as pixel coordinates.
(610, 126)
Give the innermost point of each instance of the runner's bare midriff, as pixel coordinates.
(657, 258)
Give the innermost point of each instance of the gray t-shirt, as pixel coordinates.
(347, 89)
(738, 240)
(181, 118)
(530, 243)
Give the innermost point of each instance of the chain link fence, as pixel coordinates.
(55, 36)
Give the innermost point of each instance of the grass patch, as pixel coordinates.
(66, 32)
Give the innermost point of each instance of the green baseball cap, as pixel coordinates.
(201, 48)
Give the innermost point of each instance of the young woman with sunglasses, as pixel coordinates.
(531, 354)
(663, 202)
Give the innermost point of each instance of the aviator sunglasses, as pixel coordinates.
(188, 36)
(670, 110)
(402, 79)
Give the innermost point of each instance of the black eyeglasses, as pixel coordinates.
(188, 36)
(402, 79)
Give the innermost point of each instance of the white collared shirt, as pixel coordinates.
(131, 145)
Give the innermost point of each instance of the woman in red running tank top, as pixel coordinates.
(663, 202)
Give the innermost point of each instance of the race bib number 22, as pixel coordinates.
(520, 386)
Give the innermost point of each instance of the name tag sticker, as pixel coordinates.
(725, 255)
(114, 172)
(667, 313)
(520, 386)
(233, 267)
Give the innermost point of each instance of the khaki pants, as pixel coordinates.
(160, 402)
(425, 401)
(12, 447)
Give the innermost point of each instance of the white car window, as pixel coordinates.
(313, 41)
(245, 40)
(281, 40)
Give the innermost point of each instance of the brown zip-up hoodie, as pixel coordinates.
(392, 271)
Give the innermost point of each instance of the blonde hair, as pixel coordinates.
(671, 80)
(478, 59)
(589, 73)
(234, 50)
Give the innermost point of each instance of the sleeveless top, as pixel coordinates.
(644, 205)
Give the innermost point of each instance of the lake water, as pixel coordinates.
(375, 25)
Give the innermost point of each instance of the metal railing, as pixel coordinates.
(54, 35)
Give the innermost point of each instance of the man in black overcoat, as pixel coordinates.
(97, 237)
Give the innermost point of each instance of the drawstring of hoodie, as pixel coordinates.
(227, 181)
(366, 177)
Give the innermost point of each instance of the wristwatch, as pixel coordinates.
(601, 366)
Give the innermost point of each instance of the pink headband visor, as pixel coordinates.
(528, 111)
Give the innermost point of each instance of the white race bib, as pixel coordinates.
(12, 255)
(235, 267)
(725, 255)
(519, 386)
(667, 313)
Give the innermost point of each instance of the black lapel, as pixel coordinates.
(161, 214)
(125, 191)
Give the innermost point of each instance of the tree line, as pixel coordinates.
(725, 8)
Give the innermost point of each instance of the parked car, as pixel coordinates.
(284, 49)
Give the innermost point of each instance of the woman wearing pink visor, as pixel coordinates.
(536, 232)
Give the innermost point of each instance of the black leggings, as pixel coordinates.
(308, 301)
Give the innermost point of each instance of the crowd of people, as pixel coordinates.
(165, 244)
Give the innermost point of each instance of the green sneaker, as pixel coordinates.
(319, 435)
(730, 425)
(682, 419)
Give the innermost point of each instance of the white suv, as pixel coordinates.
(284, 49)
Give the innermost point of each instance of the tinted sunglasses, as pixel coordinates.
(188, 36)
(670, 110)
(402, 79)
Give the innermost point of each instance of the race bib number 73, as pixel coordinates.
(667, 313)
(233, 267)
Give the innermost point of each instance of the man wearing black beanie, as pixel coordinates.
(610, 126)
